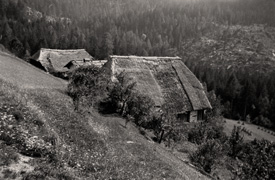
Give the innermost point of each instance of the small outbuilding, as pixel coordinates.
(166, 80)
(60, 60)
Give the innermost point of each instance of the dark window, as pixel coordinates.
(200, 115)
(37, 64)
(184, 117)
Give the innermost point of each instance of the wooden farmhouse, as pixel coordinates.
(61, 60)
(167, 81)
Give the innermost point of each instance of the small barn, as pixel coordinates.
(59, 60)
(167, 81)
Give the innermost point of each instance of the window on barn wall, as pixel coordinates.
(185, 117)
(200, 115)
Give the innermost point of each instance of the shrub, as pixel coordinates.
(217, 107)
(205, 131)
(7, 155)
(36, 147)
(125, 100)
(140, 107)
(45, 171)
(142, 132)
(263, 121)
(208, 155)
(235, 142)
(258, 160)
(8, 174)
(88, 85)
(18, 115)
(121, 92)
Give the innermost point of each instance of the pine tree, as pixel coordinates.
(6, 35)
(249, 97)
(3, 7)
(263, 102)
(233, 90)
(16, 47)
(107, 45)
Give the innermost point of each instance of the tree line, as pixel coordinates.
(134, 27)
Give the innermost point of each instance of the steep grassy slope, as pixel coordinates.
(46, 138)
(141, 156)
(19, 72)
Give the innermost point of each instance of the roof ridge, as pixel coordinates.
(148, 57)
(47, 49)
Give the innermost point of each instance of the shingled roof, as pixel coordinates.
(165, 79)
(58, 58)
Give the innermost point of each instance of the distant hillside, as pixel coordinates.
(246, 48)
(143, 27)
(238, 62)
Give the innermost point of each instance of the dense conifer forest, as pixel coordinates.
(205, 33)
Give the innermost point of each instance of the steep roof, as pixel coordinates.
(165, 79)
(59, 58)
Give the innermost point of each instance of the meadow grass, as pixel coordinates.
(47, 116)
(256, 131)
(100, 151)
(23, 74)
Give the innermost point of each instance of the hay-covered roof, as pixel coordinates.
(59, 58)
(165, 79)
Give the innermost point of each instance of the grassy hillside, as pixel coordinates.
(42, 137)
(21, 73)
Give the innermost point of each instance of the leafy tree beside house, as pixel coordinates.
(121, 93)
(88, 85)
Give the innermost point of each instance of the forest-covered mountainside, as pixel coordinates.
(245, 48)
(229, 44)
(140, 27)
(237, 62)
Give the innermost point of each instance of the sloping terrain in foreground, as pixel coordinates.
(42, 137)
